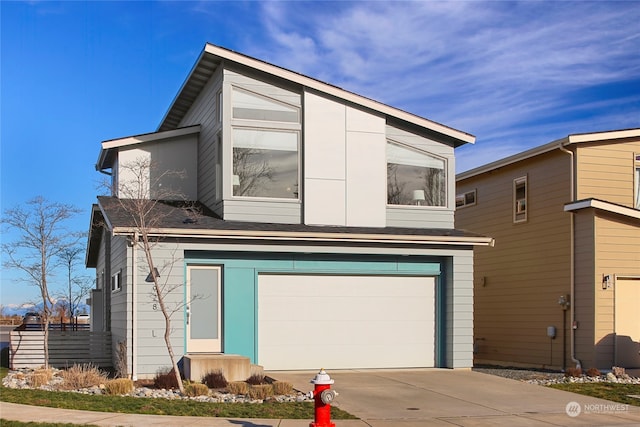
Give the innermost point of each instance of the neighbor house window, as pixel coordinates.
(520, 199)
(415, 177)
(466, 199)
(116, 281)
(636, 191)
(265, 138)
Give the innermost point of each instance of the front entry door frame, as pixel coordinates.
(203, 309)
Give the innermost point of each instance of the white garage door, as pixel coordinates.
(323, 321)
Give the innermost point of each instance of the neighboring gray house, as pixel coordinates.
(327, 238)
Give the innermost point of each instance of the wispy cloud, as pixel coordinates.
(505, 71)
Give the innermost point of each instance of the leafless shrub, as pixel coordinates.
(256, 379)
(573, 372)
(238, 387)
(593, 372)
(196, 389)
(215, 379)
(261, 391)
(39, 377)
(82, 376)
(165, 378)
(119, 386)
(282, 387)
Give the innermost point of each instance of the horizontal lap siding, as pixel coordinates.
(204, 112)
(605, 171)
(617, 246)
(120, 300)
(518, 282)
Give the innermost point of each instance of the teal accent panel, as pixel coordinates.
(239, 311)
(240, 286)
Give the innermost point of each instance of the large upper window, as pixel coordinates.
(415, 177)
(265, 146)
(265, 163)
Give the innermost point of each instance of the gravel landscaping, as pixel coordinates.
(545, 377)
(19, 380)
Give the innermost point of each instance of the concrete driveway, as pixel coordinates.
(442, 397)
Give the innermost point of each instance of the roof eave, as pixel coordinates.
(220, 54)
(312, 236)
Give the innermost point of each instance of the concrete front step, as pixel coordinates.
(233, 366)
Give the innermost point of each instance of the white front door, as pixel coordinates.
(203, 314)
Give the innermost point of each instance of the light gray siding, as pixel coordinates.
(149, 343)
(120, 313)
(204, 112)
(459, 309)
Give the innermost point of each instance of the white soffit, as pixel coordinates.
(602, 205)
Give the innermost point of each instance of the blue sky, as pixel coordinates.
(515, 74)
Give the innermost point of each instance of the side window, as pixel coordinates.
(116, 281)
(466, 199)
(520, 199)
(415, 178)
(636, 191)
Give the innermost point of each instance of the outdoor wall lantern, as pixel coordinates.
(564, 301)
(149, 278)
(606, 281)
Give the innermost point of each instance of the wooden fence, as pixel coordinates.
(66, 348)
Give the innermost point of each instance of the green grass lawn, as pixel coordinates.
(610, 391)
(135, 405)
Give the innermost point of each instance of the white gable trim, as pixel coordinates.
(602, 205)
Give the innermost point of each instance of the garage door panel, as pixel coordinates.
(311, 321)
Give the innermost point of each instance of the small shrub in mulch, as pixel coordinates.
(165, 379)
(119, 386)
(82, 376)
(256, 379)
(573, 372)
(238, 387)
(215, 379)
(282, 387)
(196, 389)
(593, 372)
(260, 391)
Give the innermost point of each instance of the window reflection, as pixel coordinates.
(414, 178)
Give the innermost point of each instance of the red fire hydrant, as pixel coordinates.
(323, 396)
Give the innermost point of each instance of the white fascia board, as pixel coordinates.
(536, 151)
(604, 136)
(139, 139)
(315, 237)
(149, 137)
(336, 92)
(602, 205)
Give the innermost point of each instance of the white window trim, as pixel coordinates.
(636, 180)
(446, 176)
(518, 207)
(464, 198)
(116, 281)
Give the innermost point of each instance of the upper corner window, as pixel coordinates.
(520, 199)
(636, 193)
(251, 106)
(415, 177)
(466, 199)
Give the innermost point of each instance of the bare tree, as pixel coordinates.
(142, 197)
(78, 286)
(252, 171)
(42, 237)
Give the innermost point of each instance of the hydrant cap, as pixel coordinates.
(322, 378)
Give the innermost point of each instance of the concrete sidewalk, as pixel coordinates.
(402, 398)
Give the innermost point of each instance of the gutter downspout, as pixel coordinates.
(134, 309)
(572, 260)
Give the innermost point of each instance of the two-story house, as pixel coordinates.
(326, 237)
(561, 287)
